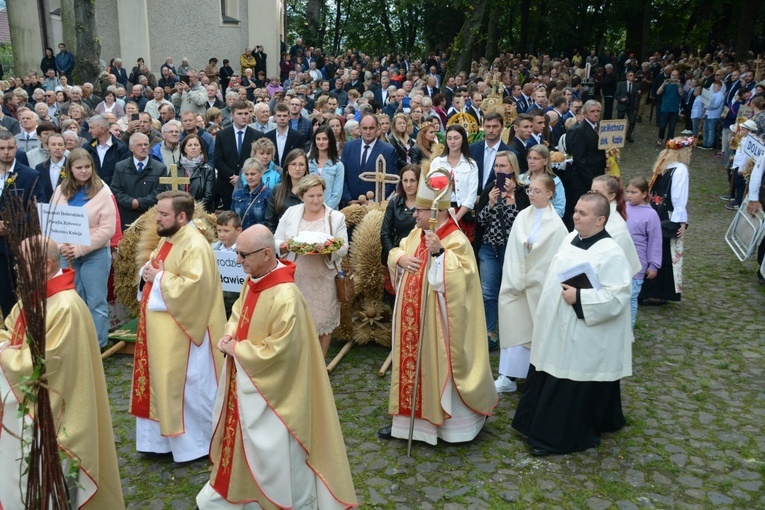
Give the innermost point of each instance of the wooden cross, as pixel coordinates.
(757, 67)
(174, 180)
(380, 177)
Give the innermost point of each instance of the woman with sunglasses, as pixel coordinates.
(534, 240)
(501, 201)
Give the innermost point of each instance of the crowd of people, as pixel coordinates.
(480, 252)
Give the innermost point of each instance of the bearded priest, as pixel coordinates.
(176, 368)
(277, 440)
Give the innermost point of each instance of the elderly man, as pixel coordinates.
(166, 113)
(77, 385)
(152, 107)
(168, 152)
(262, 122)
(582, 341)
(191, 97)
(269, 340)
(136, 181)
(456, 392)
(27, 138)
(608, 87)
(589, 161)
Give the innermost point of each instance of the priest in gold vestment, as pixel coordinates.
(277, 440)
(78, 396)
(456, 391)
(176, 368)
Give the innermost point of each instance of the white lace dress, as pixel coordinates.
(317, 283)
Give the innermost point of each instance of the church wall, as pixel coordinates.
(200, 37)
(107, 28)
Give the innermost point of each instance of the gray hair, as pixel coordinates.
(169, 107)
(349, 126)
(117, 60)
(232, 94)
(99, 119)
(75, 88)
(138, 137)
(260, 106)
(70, 134)
(170, 123)
(589, 105)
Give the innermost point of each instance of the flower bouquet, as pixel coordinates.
(314, 243)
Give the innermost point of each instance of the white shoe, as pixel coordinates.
(503, 384)
(686, 132)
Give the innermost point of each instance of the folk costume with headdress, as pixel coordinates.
(668, 191)
(456, 391)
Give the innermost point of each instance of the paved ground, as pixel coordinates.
(695, 406)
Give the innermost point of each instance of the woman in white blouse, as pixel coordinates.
(315, 274)
(465, 175)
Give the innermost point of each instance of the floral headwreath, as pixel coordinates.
(680, 143)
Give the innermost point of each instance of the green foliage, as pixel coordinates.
(378, 27)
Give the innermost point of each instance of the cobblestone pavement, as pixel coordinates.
(694, 406)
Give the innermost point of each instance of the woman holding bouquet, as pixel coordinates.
(314, 222)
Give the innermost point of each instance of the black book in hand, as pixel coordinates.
(579, 281)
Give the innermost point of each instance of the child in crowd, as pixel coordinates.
(263, 150)
(645, 228)
(228, 226)
(697, 110)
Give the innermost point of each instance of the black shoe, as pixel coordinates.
(760, 278)
(630, 140)
(385, 433)
(540, 452)
(493, 345)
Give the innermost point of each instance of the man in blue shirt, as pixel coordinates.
(64, 62)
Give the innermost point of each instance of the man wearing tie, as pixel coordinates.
(589, 161)
(263, 123)
(431, 88)
(360, 156)
(484, 152)
(232, 150)
(626, 99)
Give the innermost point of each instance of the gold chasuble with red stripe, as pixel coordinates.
(191, 289)
(466, 356)
(278, 354)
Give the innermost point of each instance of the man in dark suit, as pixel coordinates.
(589, 161)
(135, 184)
(232, 149)
(355, 82)
(283, 137)
(360, 156)
(626, 98)
(522, 129)
(105, 149)
(430, 89)
(474, 110)
(20, 181)
(382, 92)
(449, 89)
(484, 152)
(50, 170)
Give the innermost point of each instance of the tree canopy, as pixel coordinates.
(473, 28)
